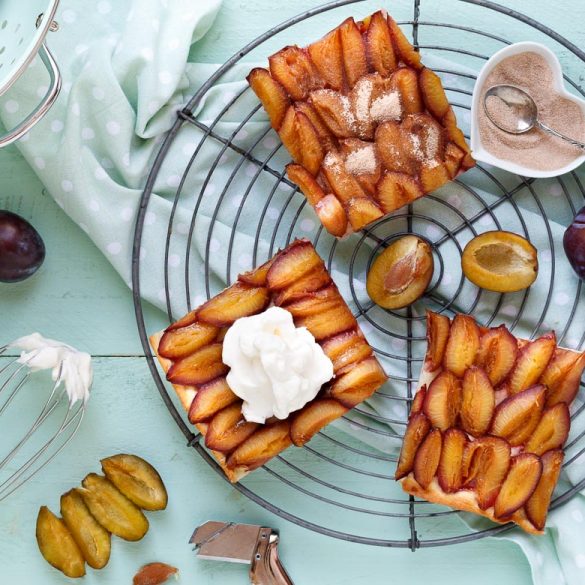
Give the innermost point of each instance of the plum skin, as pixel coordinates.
(22, 250)
(574, 244)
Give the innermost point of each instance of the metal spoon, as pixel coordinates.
(524, 109)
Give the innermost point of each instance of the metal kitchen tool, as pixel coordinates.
(525, 111)
(37, 420)
(23, 28)
(256, 546)
(336, 485)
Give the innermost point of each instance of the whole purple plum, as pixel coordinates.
(574, 243)
(22, 250)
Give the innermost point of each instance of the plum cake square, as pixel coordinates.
(191, 354)
(369, 128)
(489, 421)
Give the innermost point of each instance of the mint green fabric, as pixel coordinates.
(126, 72)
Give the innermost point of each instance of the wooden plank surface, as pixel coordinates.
(79, 298)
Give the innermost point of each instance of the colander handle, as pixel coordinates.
(47, 101)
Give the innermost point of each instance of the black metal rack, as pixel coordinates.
(335, 485)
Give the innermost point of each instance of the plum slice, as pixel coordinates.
(500, 261)
(401, 273)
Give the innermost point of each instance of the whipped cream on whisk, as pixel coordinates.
(67, 364)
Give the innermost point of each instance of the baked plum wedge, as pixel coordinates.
(489, 421)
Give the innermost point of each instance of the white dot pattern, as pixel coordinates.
(113, 128)
(56, 126)
(269, 142)
(11, 106)
(245, 261)
(114, 248)
(98, 93)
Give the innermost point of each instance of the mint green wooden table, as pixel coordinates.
(77, 297)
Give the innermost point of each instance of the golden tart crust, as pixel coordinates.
(368, 126)
(189, 352)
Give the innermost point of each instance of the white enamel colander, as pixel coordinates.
(24, 24)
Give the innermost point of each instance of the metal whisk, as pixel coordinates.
(26, 446)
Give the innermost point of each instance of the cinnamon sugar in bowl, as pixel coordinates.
(536, 70)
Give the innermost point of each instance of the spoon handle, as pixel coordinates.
(559, 135)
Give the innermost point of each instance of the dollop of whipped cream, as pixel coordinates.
(67, 364)
(276, 368)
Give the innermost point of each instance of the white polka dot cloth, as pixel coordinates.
(126, 72)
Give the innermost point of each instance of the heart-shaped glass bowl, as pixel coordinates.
(479, 152)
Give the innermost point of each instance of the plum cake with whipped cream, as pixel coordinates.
(368, 126)
(489, 421)
(269, 361)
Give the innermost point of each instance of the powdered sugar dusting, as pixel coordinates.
(363, 91)
(346, 112)
(332, 162)
(417, 150)
(386, 107)
(361, 161)
(431, 142)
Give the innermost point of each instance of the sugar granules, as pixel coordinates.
(534, 149)
(361, 161)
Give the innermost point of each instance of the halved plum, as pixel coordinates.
(520, 483)
(271, 94)
(438, 327)
(328, 59)
(450, 470)
(401, 273)
(428, 456)
(478, 400)
(462, 345)
(500, 261)
(416, 431)
(237, 301)
(198, 368)
(295, 71)
(261, 446)
(443, 400)
(313, 417)
(358, 383)
(379, 47)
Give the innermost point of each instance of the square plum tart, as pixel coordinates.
(489, 421)
(368, 126)
(190, 352)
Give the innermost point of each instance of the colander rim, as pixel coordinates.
(20, 65)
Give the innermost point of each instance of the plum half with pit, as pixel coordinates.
(574, 243)
(22, 250)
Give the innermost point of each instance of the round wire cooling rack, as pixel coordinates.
(233, 188)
